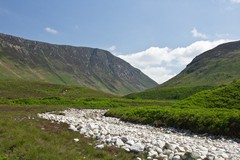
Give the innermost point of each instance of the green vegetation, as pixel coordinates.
(11, 89)
(222, 97)
(168, 93)
(214, 111)
(24, 136)
(199, 120)
(22, 59)
(213, 68)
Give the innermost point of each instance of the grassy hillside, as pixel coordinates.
(222, 97)
(177, 93)
(22, 59)
(213, 68)
(214, 111)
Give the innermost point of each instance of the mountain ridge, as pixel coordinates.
(62, 64)
(214, 67)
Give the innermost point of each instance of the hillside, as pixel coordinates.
(220, 65)
(216, 67)
(60, 64)
(222, 97)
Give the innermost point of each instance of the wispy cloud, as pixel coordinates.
(51, 30)
(235, 1)
(197, 34)
(162, 64)
(112, 48)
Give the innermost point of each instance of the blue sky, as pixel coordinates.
(131, 29)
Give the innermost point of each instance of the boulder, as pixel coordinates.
(136, 148)
(119, 143)
(152, 153)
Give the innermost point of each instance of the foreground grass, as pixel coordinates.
(25, 136)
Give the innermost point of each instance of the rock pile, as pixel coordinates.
(157, 142)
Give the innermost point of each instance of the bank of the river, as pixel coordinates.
(157, 142)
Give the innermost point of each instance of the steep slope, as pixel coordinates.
(61, 64)
(217, 66)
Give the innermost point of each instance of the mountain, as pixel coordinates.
(61, 64)
(218, 66)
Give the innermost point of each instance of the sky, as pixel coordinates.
(159, 37)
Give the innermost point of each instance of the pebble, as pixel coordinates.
(159, 143)
(100, 146)
(76, 140)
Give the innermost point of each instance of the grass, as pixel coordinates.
(214, 111)
(214, 121)
(25, 136)
(11, 89)
(177, 93)
(222, 97)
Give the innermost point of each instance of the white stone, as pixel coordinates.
(93, 126)
(195, 155)
(176, 157)
(152, 153)
(72, 127)
(126, 147)
(130, 142)
(159, 150)
(76, 139)
(170, 146)
(100, 146)
(119, 142)
(180, 149)
(92, 123)
(137, 148)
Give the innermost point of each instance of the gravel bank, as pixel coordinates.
(159, 143)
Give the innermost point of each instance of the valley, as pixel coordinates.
(42, 83)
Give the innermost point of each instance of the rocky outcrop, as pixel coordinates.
(157, 142)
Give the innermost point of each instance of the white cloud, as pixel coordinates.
(235, 1)
(51, 30)
(112, 48)
(161, 64)
(197, 34)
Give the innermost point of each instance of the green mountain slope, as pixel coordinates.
(217, 66)
(60, 64)
(212, 68)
